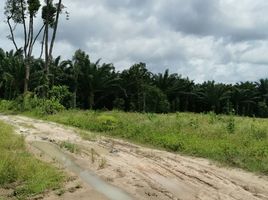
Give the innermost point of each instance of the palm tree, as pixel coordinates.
(135, 81)
(12, 70)
(213, 96)
(177, 89)
(245, 97)
(262, 87)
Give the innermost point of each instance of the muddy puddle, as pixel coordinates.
(87, 176)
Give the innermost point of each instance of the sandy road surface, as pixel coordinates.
(145, 173)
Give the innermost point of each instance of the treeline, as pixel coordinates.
(81, 83)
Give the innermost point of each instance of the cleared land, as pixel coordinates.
(233, 141)
(142, 172)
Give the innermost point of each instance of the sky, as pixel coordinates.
(221, 40)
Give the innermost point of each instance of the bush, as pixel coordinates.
(107, 123)
(49, 107)
(7, 105)
(262, 109)
(31, 103)
(62, 95)
(231, 124)
(119, 104)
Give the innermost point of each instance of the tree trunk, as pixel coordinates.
(144, 102)
(27, 76)
(55, 29)
(74, 97)
(91, 100)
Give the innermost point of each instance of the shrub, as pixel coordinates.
(231, 124)
(107, 122)
(49, 107)
(62, 95)
(7, 105)
(28, 102)
(119, 104)
(212, 117)
(262, 109)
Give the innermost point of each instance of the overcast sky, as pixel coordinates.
(223, 40)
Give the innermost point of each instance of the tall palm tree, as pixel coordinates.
(12, 70)
(262, 87)
(213, 96)
(245, 97)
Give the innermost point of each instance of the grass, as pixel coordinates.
(236, 141)
(73, 148)
(20, 171)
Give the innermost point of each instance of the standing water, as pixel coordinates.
(89, 177)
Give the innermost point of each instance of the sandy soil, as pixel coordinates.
(142, 172)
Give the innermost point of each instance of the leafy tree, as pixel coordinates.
(134, 81)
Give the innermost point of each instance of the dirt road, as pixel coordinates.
(141, 172)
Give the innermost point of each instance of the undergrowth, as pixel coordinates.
(20, 171)
(235, 141)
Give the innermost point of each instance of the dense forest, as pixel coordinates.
(81, 83)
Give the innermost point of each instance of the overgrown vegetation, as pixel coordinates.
(235, 141)
(20, 171)
(30, 102)
(83, 84)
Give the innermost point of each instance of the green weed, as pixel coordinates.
(31, 176)
(73, 148)
(236, 141)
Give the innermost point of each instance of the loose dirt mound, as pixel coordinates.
(145, 173)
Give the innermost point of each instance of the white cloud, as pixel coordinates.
(224, 40)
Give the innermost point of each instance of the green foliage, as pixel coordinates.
(31, 176)
(30, 103)
(259, 133)
(200, 135)
(13, 9)
(62, 95)
(7, 105)
(119, 103)
(33, 6)
(230, 124)
(73, 148)
(49, 13)
(212, 117)
(81, 83)
(106, 123)
(155, 100)
(262, 109)
(49, 107)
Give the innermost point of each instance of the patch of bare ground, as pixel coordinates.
(142, 172)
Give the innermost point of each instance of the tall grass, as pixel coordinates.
(235, 141)
(20, 171)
